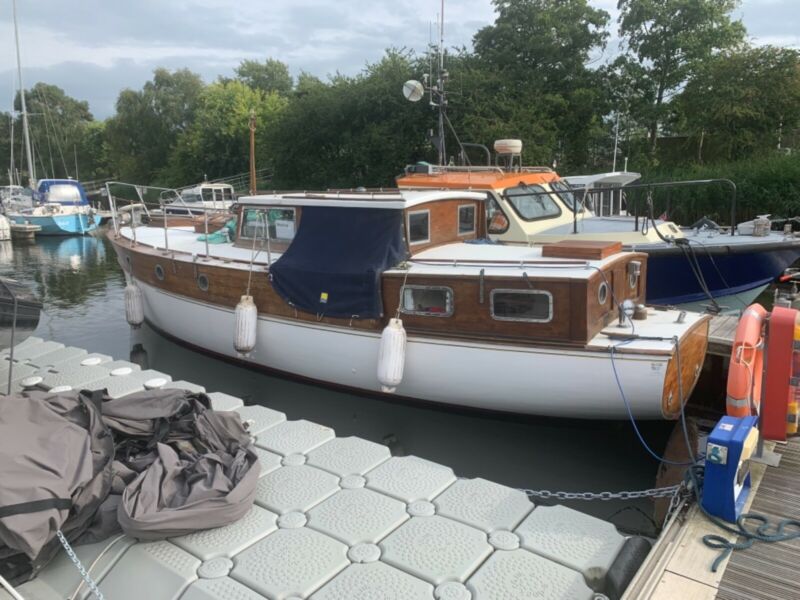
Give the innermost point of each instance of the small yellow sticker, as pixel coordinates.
(323, 297)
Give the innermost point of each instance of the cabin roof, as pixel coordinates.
(396, 200)
(615, 178)
(482, 179)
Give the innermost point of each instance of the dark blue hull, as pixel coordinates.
(727, 271)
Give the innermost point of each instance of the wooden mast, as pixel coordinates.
(252, 152)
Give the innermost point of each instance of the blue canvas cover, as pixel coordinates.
(333, 266)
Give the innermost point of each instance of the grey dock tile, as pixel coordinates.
(292, 437)
(230, 539)
(409, 478)
(436, 549)
(152, 570)
(75, 377)
(297, 488)
(54, 358)
(573, 539)
(25, 352)
(372, 581)
(290, 562)
(221, 588)
(118, 386)
(220, 401)
(268, 461)
(348, 456)
(521, 575)
(483, 504)
(184, 385)
(357, 516)
(262, 417)
(31, 341)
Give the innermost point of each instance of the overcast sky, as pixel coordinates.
(95, 48)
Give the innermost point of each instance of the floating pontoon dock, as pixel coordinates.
(334, 519)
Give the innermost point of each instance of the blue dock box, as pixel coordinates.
(727, 477)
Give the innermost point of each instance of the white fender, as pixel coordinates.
(392, 356)
(245, 324)
(134, 305)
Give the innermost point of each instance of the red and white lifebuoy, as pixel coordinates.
(747, 363)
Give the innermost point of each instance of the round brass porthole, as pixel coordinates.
(159, 272)
(602, 293)
(202, 282)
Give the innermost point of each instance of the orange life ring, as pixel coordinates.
(747, 363)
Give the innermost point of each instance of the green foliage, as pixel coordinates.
(742, 100)
(217, 142)
(769, 184)
(268, 76)
(536, 54)
(667, 40)
(147, 123)
(352, 131)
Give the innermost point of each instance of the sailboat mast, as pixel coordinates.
(441, 92)
(25, 127)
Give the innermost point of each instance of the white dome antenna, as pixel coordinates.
(413, 90)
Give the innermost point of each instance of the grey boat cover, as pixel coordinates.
(55, 470)
(154, 464)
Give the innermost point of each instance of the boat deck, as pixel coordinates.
(720, 335)
(334, 519)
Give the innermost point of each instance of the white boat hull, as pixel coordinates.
(508, 378)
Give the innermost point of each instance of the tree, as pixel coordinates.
(57, 123)
(742, 100)
(540, 50)
(147, 123)
(217, 143)
(268, 76)
(666, 41)
(351, 131)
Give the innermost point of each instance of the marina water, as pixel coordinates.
(81, 286)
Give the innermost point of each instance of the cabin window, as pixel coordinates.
(532, 202)
(497, 221)
(466, 219)
(280, 221)
(159, 270)
(430, 301)
(535, 306)
(419, 227)
(567, 195)
(208, 195)
(63, 192)
(602, 294)
(202, 282)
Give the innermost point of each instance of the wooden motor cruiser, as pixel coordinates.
(402, 293)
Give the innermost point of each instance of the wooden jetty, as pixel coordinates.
(679, 566)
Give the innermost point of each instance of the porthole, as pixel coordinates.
(202, 282)
(128, 259)
(159, 272)
(602, 293)
(633, 279)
